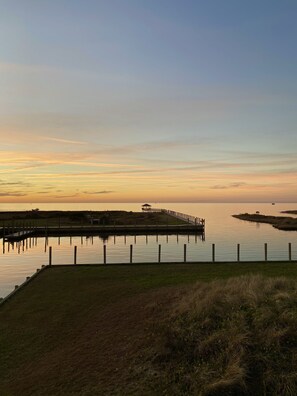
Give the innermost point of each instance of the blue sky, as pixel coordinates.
(164, 100)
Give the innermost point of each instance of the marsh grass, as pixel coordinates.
(231, 337)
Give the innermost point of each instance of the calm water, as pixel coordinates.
(19, 260)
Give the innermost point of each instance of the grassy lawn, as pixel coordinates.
(85, 330)
(82, 218)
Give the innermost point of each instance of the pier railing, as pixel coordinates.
(182, 216)
(178, 215)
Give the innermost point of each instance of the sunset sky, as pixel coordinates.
(155, 100)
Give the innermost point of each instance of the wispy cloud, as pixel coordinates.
(12, 194)
(65, 141)
(17, 183)
(231, 185)
(65, 196)
(98, 192)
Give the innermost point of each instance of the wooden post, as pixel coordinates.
(146, 239)
(290, 251)
(125, 239)
(265, 251)
(135, 239)
(238, 252)
(131, 254)
(75, 255)
(50, 256)
(159, 254)
(104, 254)
(213, 252)
(185, 253)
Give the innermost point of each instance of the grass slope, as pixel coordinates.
(96, 330)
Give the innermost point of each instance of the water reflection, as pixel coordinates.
(31, 243)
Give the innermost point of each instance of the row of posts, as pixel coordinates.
(159, 253)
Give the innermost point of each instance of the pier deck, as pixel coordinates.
(18, 236)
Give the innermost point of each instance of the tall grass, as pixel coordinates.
(233, 337)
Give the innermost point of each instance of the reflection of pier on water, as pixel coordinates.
(32, 242)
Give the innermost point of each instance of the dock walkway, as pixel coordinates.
(18, 236)
(197, 221)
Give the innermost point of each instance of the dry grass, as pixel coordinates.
(233, 337)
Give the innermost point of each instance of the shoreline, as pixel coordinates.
(283, 223)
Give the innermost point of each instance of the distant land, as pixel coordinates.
(280, 222)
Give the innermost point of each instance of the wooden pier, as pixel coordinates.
(197, 221)
(18, 236)
(190, 225)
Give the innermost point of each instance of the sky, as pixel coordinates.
(155, 101)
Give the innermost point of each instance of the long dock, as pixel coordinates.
(120, 230)
(192, 225)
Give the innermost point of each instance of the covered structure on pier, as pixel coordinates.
(146, 206)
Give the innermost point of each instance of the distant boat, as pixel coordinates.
(257, 212)
(273, 203)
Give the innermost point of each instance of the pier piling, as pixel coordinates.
(75, 255)
(104, 254)
(50, 256)
(265, 251)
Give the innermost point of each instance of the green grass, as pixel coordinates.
(82, 330)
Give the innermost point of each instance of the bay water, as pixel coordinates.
(21, 259)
